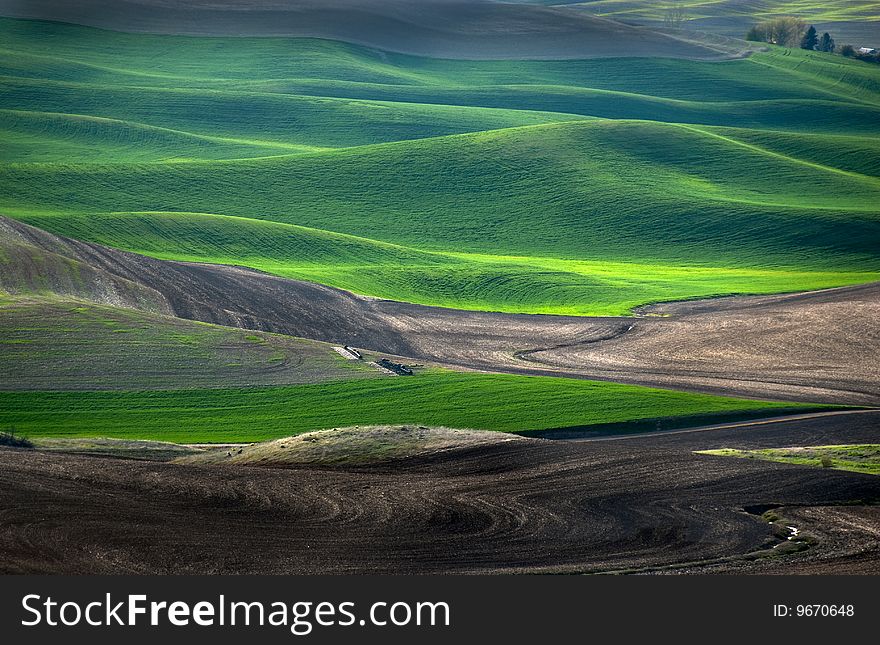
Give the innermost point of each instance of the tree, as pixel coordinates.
(848, 50)
(826, 43)
(675, 16)
(757, 34)
(786, 32)
(810, 39)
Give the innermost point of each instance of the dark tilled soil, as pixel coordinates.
(644, 504)
(816, 347)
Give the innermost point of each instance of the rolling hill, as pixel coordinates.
(576, 186)
(503, 214)
(90, 352)
(441, 28)
(728, 345)
(54, 343)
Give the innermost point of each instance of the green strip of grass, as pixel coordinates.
(857, 458)
(434, 398)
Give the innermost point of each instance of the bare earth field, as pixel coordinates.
(812, 345)
(804, 347)
(525, 505)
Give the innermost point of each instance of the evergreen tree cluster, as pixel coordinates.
(813, 42)
(791, 32)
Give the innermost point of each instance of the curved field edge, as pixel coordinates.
(432, 398)
(467, 281)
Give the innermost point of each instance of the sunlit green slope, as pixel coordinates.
(542, 186)
(596, 190)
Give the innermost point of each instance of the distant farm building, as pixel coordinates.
(870, 51)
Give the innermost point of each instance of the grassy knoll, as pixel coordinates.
(864, 458)
(341, 446)
(361, 445)
(515, 220)
(44, 137)
(70, 345)
(433, 398)
(582, 187)
(74, 54)
(265, 121)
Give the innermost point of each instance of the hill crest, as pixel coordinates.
(457, 29)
